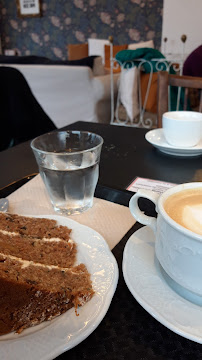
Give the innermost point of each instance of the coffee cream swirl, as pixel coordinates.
(185, 208)
(192, 218)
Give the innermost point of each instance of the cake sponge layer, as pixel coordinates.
(46, 251)
(33, 227)
(32, 293)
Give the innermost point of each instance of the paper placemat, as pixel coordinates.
(111, 220)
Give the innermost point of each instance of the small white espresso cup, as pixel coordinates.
(182, 128)
(178, 249)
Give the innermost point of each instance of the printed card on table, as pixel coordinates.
(149, 184)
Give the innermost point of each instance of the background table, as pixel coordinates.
(127, 331)
(125, 155)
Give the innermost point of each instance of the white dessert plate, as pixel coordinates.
(51, 338)
(145, 281)
(157, 139)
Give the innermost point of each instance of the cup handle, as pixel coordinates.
(137, 213)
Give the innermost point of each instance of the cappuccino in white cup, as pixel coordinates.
(185, 208)
(182, 128)
(178, 232)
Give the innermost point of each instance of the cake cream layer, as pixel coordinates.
(51, 251)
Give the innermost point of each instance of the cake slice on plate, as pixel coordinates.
(38, 278)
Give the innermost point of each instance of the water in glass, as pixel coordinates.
(71, 187)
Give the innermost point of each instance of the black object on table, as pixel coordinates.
(127, 331)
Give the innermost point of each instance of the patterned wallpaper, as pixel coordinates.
(74, 21)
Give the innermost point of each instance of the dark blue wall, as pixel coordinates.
(74, 21)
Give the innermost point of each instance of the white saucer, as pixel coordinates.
(144, 279)
(157, 139)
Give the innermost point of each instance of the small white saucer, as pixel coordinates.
(145, 281)
(157, 139)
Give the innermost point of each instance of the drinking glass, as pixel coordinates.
(68, 163)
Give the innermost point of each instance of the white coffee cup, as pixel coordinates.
(182, 128)
(178, 249)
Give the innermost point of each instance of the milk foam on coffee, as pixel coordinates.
(185, 208)
(192, 215)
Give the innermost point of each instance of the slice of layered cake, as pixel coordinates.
(38, 278)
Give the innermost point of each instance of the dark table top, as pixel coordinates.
(127, 331)
(125, 155)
